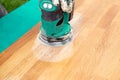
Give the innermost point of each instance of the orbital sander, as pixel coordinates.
(55, 29)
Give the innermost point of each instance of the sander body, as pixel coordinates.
(55, 29)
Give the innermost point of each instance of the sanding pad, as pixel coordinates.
(56, 41)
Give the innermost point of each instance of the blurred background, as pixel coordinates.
(10, 5)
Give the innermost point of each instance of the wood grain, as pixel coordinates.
(96, 48)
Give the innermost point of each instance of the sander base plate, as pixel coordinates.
(56, 41)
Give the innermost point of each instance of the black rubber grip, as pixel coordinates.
(52, 16)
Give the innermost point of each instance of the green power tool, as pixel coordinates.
(55, 29)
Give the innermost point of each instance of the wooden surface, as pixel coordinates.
(96, 48)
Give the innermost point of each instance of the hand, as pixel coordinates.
(66, 5)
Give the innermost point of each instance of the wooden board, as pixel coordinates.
(96, 48)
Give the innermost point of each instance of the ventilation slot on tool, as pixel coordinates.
(60, 22)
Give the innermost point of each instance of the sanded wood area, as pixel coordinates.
(96, 48)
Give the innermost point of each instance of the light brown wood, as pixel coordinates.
(96, 48)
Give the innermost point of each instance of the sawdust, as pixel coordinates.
(52, 53)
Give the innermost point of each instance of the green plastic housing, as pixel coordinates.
(50, 28)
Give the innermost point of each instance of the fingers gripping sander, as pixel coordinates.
(55, 29)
